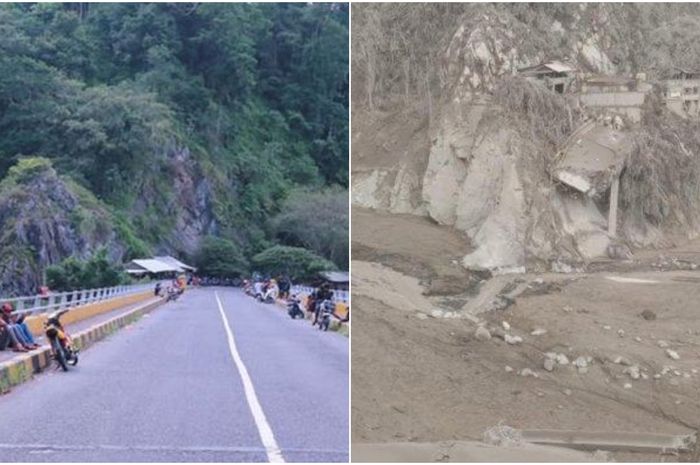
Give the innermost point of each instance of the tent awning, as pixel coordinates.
(172, 261)
(154, 266)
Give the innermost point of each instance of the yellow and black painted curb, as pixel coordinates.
(23, 367)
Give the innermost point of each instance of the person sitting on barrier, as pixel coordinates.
(8, 339)
(157, 290)
(20, 330)
(284, 286)
(271, 292)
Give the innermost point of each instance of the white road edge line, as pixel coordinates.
(274, 453)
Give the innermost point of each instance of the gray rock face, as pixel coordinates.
(188, 204)
(43, 222)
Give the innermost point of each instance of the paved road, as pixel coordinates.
(168, 388)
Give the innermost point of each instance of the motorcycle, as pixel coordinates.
(325, 314)
(294, 309)
(173, 294)
(63, 351)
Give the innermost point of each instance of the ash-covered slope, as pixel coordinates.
(481, 157)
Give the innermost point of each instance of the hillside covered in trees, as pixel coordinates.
(147, 128)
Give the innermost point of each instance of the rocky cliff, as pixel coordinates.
(45, 218)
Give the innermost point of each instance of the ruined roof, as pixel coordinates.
(680, 73)
(548, 67)
(607, 80)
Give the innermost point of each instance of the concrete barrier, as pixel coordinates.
(36, 322)
(23, 367)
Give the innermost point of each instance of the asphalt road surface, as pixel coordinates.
(176, 386)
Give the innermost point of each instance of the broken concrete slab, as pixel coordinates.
(611, 440)
(464, 451)
(592, 158)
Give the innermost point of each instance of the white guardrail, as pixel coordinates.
(61, 300)
(338, 296)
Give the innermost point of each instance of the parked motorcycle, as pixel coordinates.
(173, 294)
(294, 308)
(63, 351)
(325, 314)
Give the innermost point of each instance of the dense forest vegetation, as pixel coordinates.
(174, 122)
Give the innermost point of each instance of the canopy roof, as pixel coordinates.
(336, 276)
(175, 262)
(153, 266)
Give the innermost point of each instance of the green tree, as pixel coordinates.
(96, 272)
(296, 262)
(220, 258)
(318, 221)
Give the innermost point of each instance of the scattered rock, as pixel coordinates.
(436, 313)
(627, 386)
(567, 392)
(632, 371)
(648, 315)
(657, 376)
(673, 354)
(621, 332)
(528, 372)
(620, 360)
(638, 339)
(538, 332)
(567, 308)
(661, 343)
(498, 332)
(513, 339)
(607, 327)
(581, 362)
(548, 364)
(506, 326)
(421, 316)
(503, 435)
(508, 369)
(482, 334)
